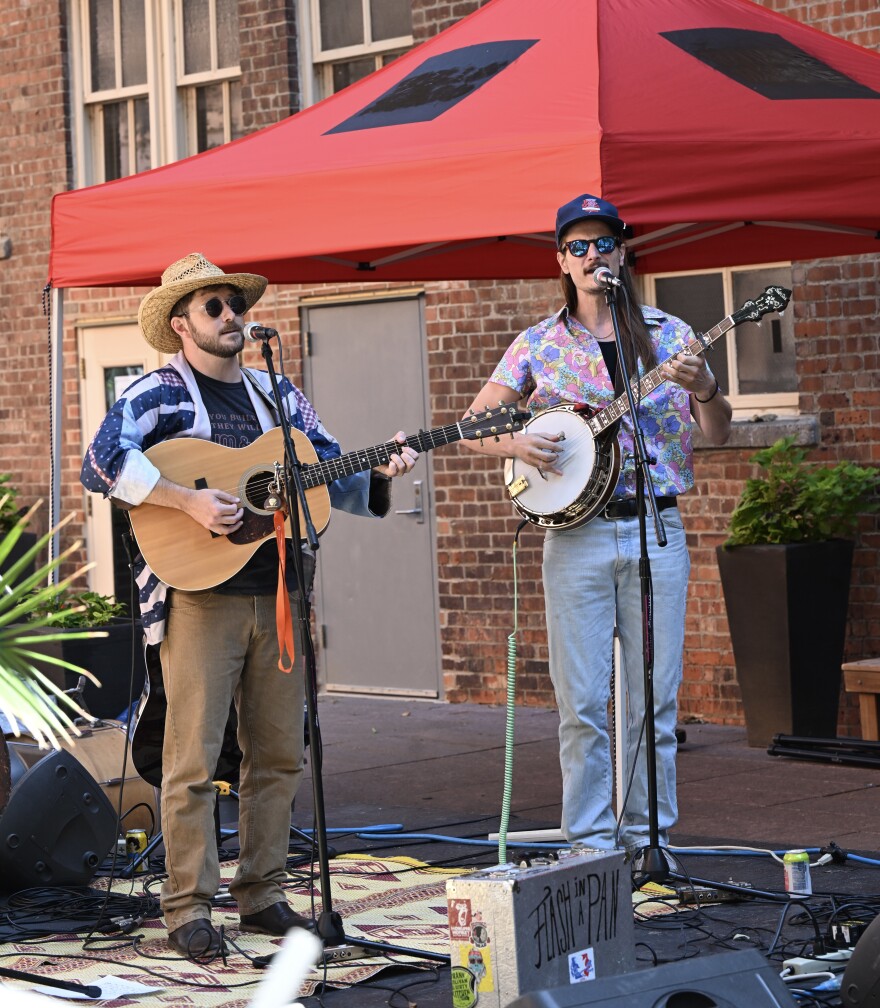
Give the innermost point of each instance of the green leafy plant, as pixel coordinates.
(27, 696)
(798, 501)
(8, 507)
(68, 609)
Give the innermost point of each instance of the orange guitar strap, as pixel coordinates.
(283, 617)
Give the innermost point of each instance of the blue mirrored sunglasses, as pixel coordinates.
(579, 247)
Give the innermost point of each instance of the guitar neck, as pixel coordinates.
(654, 378)
(319, 473)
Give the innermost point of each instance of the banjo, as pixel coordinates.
(590, 462)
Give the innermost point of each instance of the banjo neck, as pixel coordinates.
(611, 413)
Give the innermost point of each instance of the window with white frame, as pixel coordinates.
(157, 80)
(352, 38)
(753, 362)
(208, 73)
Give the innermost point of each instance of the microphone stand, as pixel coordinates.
(654, 864)
(330, 927)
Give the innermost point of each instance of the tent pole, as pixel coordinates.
(56, 377)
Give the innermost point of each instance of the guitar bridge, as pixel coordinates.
(274, 502)
(517, 486)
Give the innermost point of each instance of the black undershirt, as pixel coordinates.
(609, 353)
(234, 424)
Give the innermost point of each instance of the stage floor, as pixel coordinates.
(436, 770)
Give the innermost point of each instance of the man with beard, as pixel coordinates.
(218, 646)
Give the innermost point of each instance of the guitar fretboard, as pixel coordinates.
(319, 473)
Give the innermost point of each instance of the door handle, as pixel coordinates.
(417, 501)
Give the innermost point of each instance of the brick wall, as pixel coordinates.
(468, 325)
(269, 61)
(33, 144)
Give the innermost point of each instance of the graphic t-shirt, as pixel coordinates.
(234, 424)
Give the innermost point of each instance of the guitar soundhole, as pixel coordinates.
(258, 520)
(255, 490)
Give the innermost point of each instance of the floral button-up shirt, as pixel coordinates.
(559, 361)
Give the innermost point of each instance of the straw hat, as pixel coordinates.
(183, 277)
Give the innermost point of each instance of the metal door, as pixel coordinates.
(375, 595)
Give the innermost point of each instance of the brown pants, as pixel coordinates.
(220, 647)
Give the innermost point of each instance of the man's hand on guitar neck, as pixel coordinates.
(399, 463)
(216, 510)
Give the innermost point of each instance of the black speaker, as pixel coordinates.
(57, 827)
(727, 980)
(861, 978)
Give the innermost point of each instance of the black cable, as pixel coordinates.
(69, 911)
(167, 979)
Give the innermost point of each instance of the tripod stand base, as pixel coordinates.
(338, 948)
(650, 864)
(356, 949)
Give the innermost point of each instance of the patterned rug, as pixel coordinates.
(392, 900)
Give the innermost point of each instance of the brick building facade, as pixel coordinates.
(467, 326)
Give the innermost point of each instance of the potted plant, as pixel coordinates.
(785, 573)
(108, 658)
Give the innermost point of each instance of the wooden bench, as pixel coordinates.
(863, 678)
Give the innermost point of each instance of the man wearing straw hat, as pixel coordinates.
(219, 645)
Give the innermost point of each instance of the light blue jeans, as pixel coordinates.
(591, 583)
(220, 648)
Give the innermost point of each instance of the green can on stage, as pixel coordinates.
(796, 865)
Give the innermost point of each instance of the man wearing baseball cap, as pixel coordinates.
(220, 645)
(591, 567)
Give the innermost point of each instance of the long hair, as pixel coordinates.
(634, 334)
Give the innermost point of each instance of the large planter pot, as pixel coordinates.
(109, 660)
(25, 542)
(787, 607)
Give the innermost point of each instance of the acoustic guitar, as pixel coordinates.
(185, 555)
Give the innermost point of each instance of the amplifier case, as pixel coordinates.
(514, 930)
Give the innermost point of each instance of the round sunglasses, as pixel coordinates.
(214, 306)
(579, 247)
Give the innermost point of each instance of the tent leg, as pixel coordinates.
(56, 376)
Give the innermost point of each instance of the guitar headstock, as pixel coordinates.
(774, 299)
(503, 419)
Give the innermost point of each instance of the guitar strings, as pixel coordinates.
(262, 484)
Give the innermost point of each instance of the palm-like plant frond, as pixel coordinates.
(27, 696)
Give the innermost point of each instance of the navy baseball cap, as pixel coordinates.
(587, 207)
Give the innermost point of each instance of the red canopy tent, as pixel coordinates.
(726, 133)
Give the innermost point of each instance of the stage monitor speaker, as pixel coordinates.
(727, 980)
(57, 827)
(861, 978)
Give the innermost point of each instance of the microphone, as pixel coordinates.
(255, 332)
(604, 276)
